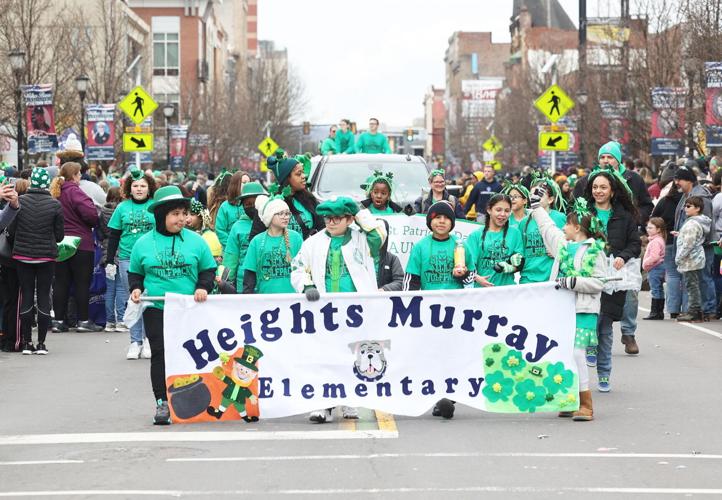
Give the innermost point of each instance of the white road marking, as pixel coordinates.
(448, 455)
(369, 491)
(42, 462)
(692, 325)
(177, 437)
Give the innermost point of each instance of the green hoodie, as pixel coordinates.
(372, 143)
(345, 142)
(329, 146)
(225, 218)
(235, 250)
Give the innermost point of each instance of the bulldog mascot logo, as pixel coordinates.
(370, 362)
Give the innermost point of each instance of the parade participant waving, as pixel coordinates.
(339, 259)
(129, 222)
(238, 239)
(171, 258)
(579, 262)
(345, 143)
(609, 199)
(438, 192)
(267, 263)
(437, 262)
(537, 261)
(378, 188)
(36, 231)
(495, 250)
(80, 217)
(232, 209)
(199, 220)
(519, 196)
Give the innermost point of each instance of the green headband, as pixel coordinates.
(581, 209)
(136, 174)
(222, 175)
(510, 186)
(613, 173)
(436, 172)
(544, 178)
(379, 176)
(273, 191)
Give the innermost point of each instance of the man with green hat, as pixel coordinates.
(339, 259)
(238, 375)
(170, 258)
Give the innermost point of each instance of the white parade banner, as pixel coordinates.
(405, 231)
(506, 349)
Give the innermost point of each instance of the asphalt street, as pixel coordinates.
(77, 424)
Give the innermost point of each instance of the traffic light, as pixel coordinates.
(306, 128)
(353, 127)
(409, 134)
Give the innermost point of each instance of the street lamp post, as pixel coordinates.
(81, 85)
(168, 112)
(17, 62)
(582, 99)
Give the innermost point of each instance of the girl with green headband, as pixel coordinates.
(579, 263)
(379, 187)
(519, 200)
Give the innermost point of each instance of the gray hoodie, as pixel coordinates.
(690, 249)
(680, 216)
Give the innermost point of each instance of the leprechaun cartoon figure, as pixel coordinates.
(243, 371)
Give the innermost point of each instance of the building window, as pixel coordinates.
(165, 54)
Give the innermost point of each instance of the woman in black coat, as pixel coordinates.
(609, 198)
(666, 208)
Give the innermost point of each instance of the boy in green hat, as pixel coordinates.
(238, 238)
(170, 258)
(339, 259)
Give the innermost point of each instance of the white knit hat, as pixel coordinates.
(268, 207)
(72, 149)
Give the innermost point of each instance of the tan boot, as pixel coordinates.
(585, 412)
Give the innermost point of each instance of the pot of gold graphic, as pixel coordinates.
(189, 396)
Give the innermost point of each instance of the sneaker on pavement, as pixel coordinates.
(41, 349)
(630, 344)
(603, 384)
(444, 408)
(349, 412)
(60, 327)
(28, 348)
(120, 327)
(133, 351)
(88, 326)
(145, 351)
(162, 413)
(110, 327)
(591, 357)
(321, 416)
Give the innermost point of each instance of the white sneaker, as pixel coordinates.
(145, 352)
(349, 412)
(133, 351)
(110, 327)
(120, 327)
(321, 416)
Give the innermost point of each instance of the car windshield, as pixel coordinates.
(345, 179)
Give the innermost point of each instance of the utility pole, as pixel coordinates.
(582, 84)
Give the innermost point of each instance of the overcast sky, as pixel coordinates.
(378, 57)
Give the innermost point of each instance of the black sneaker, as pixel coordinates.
(60, 327)
(28, 348)
(89, 326)
(41, 349)
(162, 413)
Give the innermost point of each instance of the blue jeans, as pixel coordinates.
(674, 281)
(706, 285)
(716, 276)
(114, 307)
(605, 335)
(629, 315)
(655, 277)
(137, 332)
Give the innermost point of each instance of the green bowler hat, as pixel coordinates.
(165, 195)
(252, 189)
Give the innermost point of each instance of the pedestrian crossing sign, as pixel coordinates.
(554, 103)
(268, 146)
(263, 167)
(493, 145)
(138, 105)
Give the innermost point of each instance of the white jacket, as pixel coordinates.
(588, 290)
(308, 268)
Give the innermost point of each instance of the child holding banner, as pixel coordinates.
(579, 262)
(171, 258)
(433, 266)
(378, 188)
(339, 259)
(267, 263)
(495, 250)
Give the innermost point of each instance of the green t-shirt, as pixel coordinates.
(433, 261)
(372, 143)
(515, 223)
(133, 220)
(604, 216)
(537, 263)
(387, 211)
(235, 250)
(227, 215)
(306, 217)
(338, 279)
(170, 263)
(495, 250)
(345, 142)
(266, 256)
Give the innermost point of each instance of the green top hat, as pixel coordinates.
(252, 189)
(250, 357)
(165, 195)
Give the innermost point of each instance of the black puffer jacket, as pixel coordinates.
(39, 225)
(622, 241)
(665, 208)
